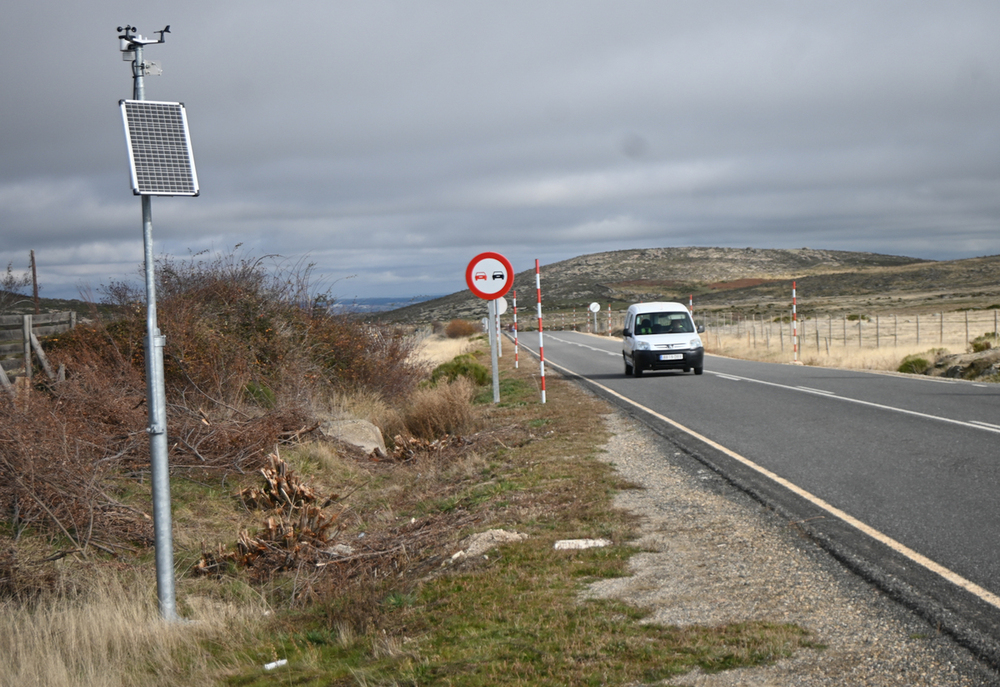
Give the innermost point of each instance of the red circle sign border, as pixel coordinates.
(507, 283)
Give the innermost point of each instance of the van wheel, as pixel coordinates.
(636, 370)
(698, 370)
(628, 368)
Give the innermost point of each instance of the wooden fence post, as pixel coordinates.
(26, 334)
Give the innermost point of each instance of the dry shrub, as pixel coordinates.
(442, 409)
(456, 329)
(247, 331)
(248, 355)
(295, 530)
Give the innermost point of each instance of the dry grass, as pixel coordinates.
(442, 409)
(848, 357)
(435, 349)
(112, 636)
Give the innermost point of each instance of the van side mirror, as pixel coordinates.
(626, 332)
(701, 329)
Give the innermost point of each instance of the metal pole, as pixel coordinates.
(493, 350)
(156, 400)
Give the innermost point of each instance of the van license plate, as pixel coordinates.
(672, 356)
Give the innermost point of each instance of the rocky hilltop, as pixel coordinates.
(747, 279)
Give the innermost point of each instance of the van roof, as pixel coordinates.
(657, 306)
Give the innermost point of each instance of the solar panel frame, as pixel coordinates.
(161, 159)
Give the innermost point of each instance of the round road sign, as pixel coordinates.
(489, 276)
(595, 307)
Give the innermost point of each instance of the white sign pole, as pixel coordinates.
(493, 350)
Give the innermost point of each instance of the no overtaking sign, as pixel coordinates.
(489, 275)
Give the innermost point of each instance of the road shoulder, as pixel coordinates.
(713, 555)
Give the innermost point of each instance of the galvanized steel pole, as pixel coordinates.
(156, 397)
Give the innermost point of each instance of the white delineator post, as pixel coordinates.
(515, 329)
(541, 350)
(496, 326)
(795, 328)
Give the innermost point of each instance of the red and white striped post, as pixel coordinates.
(541, 349)
(691, 304)
(515, 329)
(795, 327)
(609, 319)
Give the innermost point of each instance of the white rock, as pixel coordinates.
(581, 543)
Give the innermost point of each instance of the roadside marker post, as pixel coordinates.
(795, 328)
(541, 349)
(515, 328)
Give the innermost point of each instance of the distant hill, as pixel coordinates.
(747, 279)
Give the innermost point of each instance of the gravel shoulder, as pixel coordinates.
(712, 555)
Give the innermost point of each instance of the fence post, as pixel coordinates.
(5, 382)
(878, 333)
(941, 341)
(26, 334)
(918, 329)
(966, 327)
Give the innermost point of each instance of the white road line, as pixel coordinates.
(962, 423)
(896, 546)
(824, 392)
(574, 343)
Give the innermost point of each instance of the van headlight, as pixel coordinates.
(696, 343)
(642, 345)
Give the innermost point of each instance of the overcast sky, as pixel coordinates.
(390, 142)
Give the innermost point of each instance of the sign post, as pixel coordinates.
(489, 276)
(595, 308)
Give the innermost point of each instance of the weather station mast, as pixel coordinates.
(161, 163)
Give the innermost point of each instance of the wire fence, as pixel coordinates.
(819, 334)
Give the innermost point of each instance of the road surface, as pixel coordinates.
(897, 475)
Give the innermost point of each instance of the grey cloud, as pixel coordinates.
(392, 141)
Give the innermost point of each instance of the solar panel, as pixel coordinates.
(159, 148)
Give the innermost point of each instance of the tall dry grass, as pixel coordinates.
(112, 636)
(852, 357)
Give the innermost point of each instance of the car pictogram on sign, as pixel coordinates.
(480, 275)
(499, 275)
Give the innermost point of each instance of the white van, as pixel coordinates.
(661, 336)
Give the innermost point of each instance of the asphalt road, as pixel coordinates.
(916, 460)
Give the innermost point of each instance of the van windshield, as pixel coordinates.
(663, 323)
